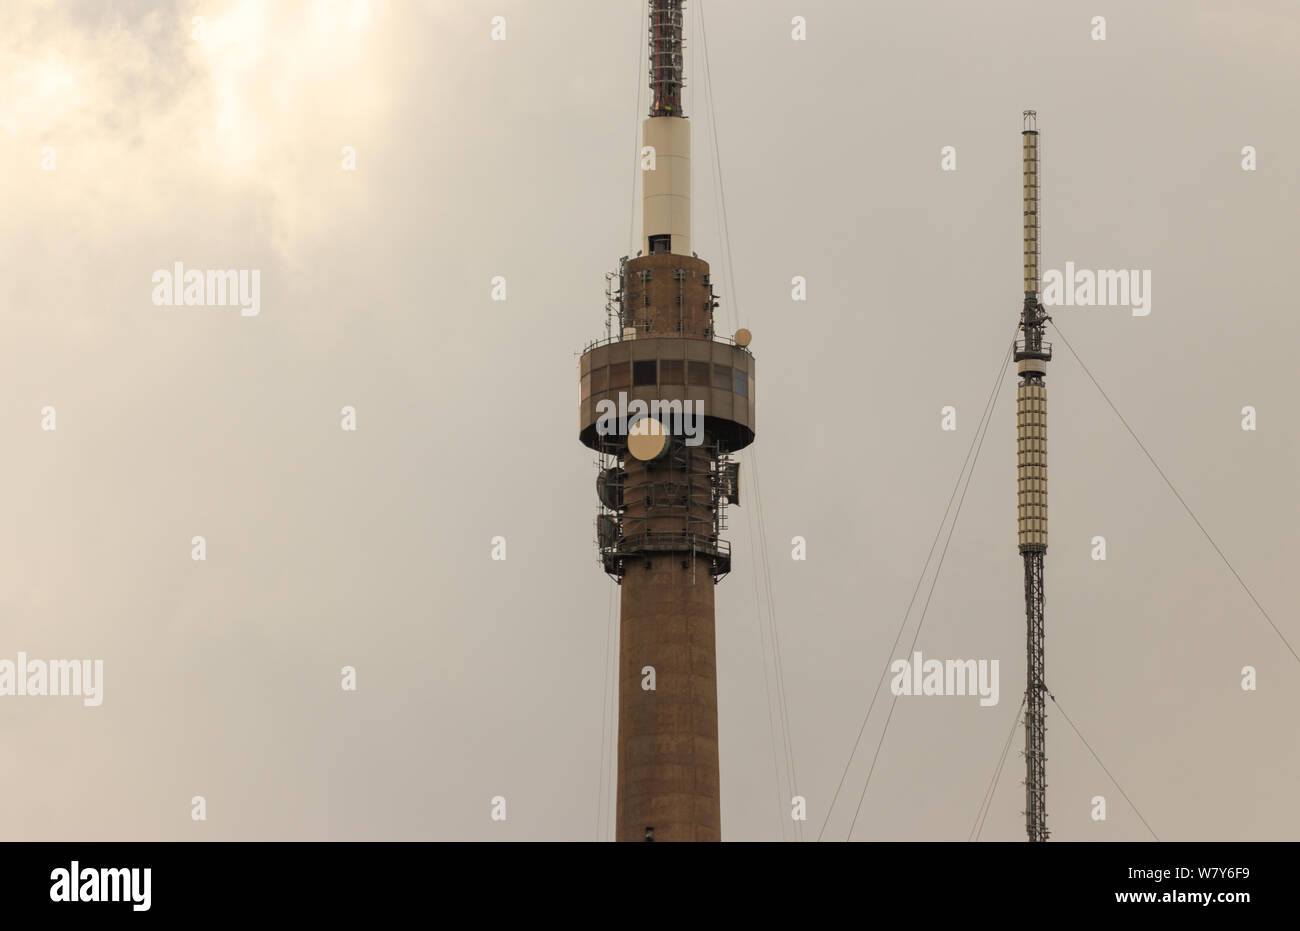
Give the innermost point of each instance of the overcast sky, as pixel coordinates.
(477, 158)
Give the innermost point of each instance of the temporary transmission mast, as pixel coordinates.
(1031, 357)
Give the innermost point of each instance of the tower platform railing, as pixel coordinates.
(1033, 349)
(632, 546)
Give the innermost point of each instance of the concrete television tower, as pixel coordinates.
(1031, 357)
(664, 402)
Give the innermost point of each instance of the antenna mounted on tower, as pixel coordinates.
(666, 58)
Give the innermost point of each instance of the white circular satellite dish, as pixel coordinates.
(647, 439)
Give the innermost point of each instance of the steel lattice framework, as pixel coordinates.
(1031, 356)
(1035, 695)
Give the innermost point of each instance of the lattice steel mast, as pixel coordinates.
(1031, 356)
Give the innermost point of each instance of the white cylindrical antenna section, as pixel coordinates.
(1030, 157)
(1031, 465)
(666, 187)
